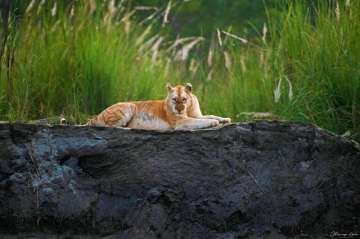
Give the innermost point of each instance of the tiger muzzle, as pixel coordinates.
(180, 107)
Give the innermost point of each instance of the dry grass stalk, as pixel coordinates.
(148, 43)
(210, 56)
(127, 22)
(155, 49)
(92, 6)
(264, 33)
(258, 116)
(184, 52)
(243, 40)
(111, 7)
(178, 42)
(141, 38)
(146, 8)
(210, 75)
(40, 7)
(291, 94)
(109, 16)
(348, 8)
(152, 16)
(228, 62)
(337, 11)
(166, 14)
(53, 10)
(120, 7)
(72, 11)
(219, 37)
(30, 6)
(277, 91)
(194, 65)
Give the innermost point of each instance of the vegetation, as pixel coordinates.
(77, 57)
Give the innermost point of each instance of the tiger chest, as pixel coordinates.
(148, 121)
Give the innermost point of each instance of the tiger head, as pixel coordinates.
(178, 98)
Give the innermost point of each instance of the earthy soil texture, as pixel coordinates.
(264, 179)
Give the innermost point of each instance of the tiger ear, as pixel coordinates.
(188, 87)
(169, 87)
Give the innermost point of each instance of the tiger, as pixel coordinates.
(180, 110)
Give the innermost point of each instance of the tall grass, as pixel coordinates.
(320, 54)
(305, 67)
(77, 59)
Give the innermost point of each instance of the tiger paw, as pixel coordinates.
(225, 120)
(214, 123)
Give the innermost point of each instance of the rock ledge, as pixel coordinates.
(265, 179)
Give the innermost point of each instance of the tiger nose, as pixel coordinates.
(180, 108)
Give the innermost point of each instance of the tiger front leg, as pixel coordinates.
(193, 123)
(218, 118)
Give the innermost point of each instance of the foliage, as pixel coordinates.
(78, 57)
(204, 16)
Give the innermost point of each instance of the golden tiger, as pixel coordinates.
(180, 111)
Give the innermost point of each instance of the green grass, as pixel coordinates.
(73, 65)
(322, 60)
(307, 67)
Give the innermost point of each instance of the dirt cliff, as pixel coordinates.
(247, 180)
